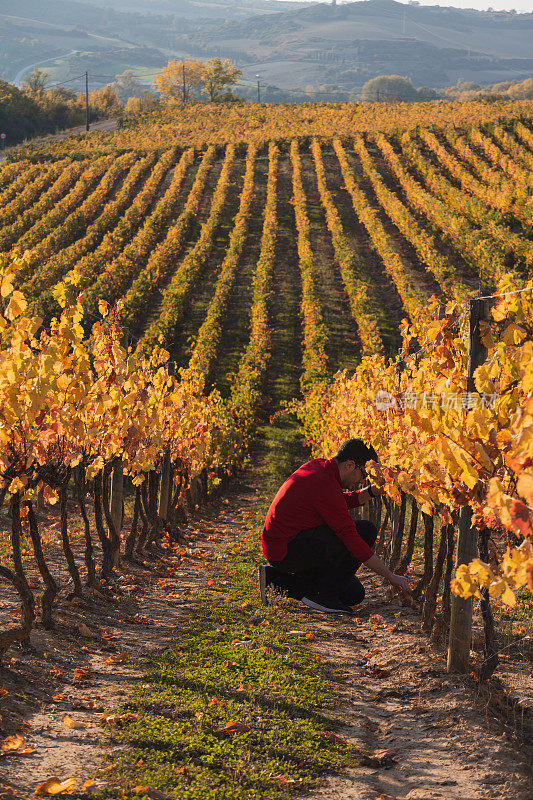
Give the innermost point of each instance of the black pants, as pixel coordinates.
(317, 561)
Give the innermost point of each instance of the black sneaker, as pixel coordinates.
(261, 572)
(328, 605)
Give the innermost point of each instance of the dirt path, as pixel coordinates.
(399, 697)
(143, 620)
(395, 691)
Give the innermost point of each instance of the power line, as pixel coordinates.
(62, 83)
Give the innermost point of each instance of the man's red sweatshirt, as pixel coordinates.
(312, 496)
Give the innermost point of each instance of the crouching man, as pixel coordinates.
(313, 546)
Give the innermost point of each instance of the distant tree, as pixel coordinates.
(126, 85)
(35, 82)
(425, 93)
(178, 80)
(521, 91)
(105, 102)
(143, 104)
(217, 76)
(389, 88)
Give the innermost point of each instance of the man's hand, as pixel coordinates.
(377, 490)
(400, 582)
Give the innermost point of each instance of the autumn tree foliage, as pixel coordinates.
(179, 80)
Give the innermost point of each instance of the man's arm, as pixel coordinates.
(361, 496)
(376, 565)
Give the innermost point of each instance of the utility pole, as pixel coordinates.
(461, 608)
(258, 89)
(86, 101)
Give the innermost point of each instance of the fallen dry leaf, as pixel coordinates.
(380, 758)
(58, 697)
(56, 673)
(333, 737)
(87, 784)
(287, 783)
(80, 673)
(377, 672)
(13, 743)
(234, 727)
(85, 631)
(120, 659)
(14, 746)
(7, 791)
(84, 706)
(54, 786)
(68, 722)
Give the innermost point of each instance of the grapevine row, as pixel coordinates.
(380, 240)
(501, 160)
(524, 134)
(24, 200)
(12, 190)
(57, 228)
(488, 194)
(56, 266)
(490, 223)
(480, 251)
(363, 303)
(119, 273)
(176, 294)
(509, 145)
(208, 339)
(104, 411)
(9, 172)
(315, 331)
(459, 448)
(87, 269)
(423, 242)
(485, 171)
(246, 387)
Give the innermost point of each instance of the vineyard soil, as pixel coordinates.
(392, 684)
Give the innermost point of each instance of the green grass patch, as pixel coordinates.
(234, 662)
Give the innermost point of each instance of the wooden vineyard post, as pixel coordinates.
(164, 490)
(461, 608)
(117, 493)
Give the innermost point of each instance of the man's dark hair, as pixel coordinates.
(356, 450)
